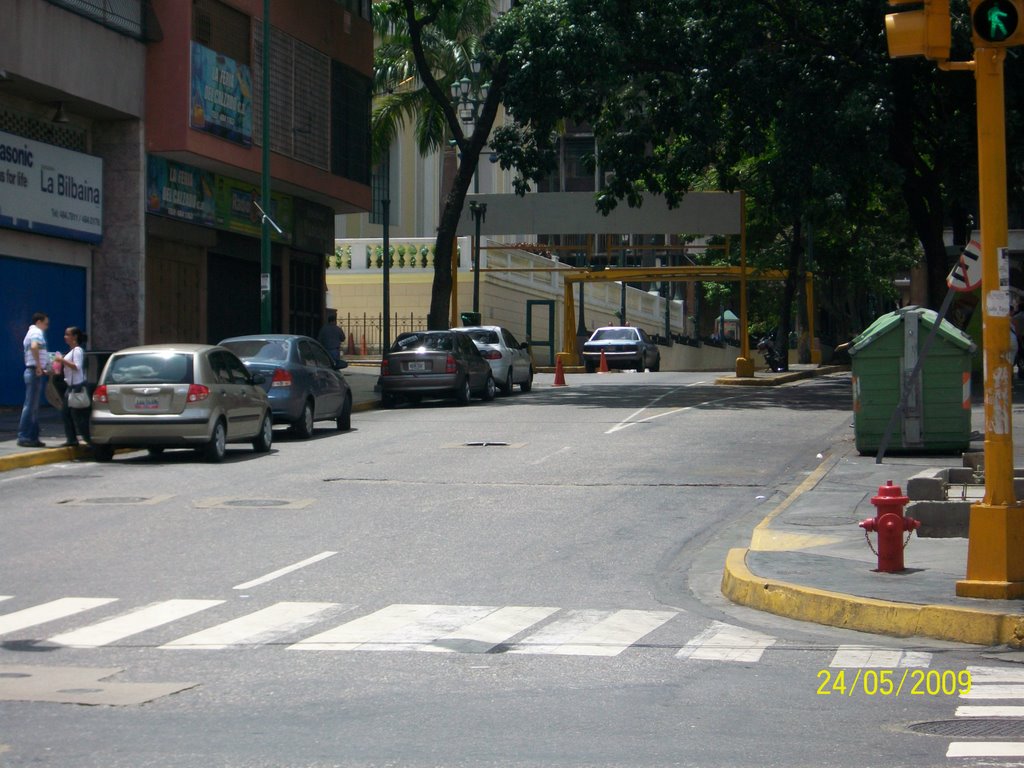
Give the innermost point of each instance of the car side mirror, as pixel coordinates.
(257, 378)
(525, 345)
(339, 364)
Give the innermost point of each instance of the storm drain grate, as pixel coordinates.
(256, 503)
(486, 444)
(979, 727)
(132, 500)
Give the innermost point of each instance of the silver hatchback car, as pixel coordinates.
(510, 360)
(178, 396)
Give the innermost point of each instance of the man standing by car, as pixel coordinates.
(36, 361)
(331, 336)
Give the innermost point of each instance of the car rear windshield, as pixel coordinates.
(484, 337)
(439, 342)
(150, 368)
(274, 351)
(614, 334)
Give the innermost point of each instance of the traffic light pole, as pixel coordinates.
(995, 553)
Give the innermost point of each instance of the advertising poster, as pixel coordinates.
(236, 212)
(221, 96)
(179, 191)
(49, 190)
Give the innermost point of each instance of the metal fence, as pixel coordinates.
(125, 16)
(364, 332)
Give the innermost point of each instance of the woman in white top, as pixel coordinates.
(76, 420)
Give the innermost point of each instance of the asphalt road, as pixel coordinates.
(528, 582)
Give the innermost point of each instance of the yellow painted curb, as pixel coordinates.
(941, 622)
(41, 457)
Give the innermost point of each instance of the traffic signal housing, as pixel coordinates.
(920, 32)
(997, 23)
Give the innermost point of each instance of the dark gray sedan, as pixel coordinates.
(434, 364)
(303, 383)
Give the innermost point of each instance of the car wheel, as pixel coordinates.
(304, 426)
(506, 388)
(463, 392)
(155, 451)
(345, 417)
(641, 365)
(490, 388)
(657, 366)
(215, 449)
(527, 385)
(265, 438)
(102, 452)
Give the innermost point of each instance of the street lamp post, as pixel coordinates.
(479, 212)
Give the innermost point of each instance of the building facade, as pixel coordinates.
(131, 160)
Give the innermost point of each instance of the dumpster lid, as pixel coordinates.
(926, 317)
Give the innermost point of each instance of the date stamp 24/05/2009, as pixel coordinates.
(894, 682)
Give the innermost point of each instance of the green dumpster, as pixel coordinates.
(936, 415)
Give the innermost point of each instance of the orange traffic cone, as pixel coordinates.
(351, 345)
(559, 374)
(603, 368)
(362, 347)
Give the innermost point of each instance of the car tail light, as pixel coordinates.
(450, 366)
(100, 395)
(491, 354)
(384, 367)
(197, 392)
(281, 378)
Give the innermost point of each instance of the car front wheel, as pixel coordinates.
(490, 388)
(527, 385)
(345, 417)
(463, 392)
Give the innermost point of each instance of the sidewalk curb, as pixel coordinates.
(793, 601)
(53, 455)
(773, 380)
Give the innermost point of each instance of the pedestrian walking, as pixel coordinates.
(77, 404)
(331, 336)
(37, 362)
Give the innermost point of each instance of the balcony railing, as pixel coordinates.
(124, 16)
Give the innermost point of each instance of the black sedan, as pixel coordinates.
(303, 383)
(434, 364)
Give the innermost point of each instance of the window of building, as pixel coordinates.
(351, 95)
(222, 29)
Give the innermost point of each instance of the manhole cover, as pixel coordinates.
(977, 727)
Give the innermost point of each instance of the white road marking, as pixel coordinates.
(55, 609)
(593, 633)
(994, 691)
(491, 630)
(629, 420)
(995, 675)
(875, 658)
(986, 749)
(140, 620)
(375, 626)
(286, 570)
(997, 711)
(550, 456)
(724, 642)
(255, 628)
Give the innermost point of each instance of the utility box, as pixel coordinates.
(936, 412)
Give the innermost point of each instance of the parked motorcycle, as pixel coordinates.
(771, 356)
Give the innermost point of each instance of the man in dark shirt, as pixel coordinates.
(331, 336)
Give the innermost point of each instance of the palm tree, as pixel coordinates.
(423, 47)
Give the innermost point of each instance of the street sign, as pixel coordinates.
(966, 273)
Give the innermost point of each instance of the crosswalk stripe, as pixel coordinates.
(985, 749)
(273, 621)
(996, 711)
(995, 675)
(5, 597)
(396, 627)
(491, 630)
(593, 633)
(55, 609)
(724, 642)
(120, 627)
(994, 691)
(864, 656)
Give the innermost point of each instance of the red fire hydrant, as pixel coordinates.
(890, 525)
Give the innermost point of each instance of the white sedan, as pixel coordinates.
(510, 361)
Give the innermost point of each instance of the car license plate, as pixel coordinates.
(146, 403)
(417, 365)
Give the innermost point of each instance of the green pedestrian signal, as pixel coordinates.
(996, 22)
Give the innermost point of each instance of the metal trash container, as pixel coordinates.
(470, 318)
(936, 417)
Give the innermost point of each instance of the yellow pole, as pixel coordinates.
(995, 549)
(569, 324)
(809, 293)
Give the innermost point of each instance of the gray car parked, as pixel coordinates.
(510, 360)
